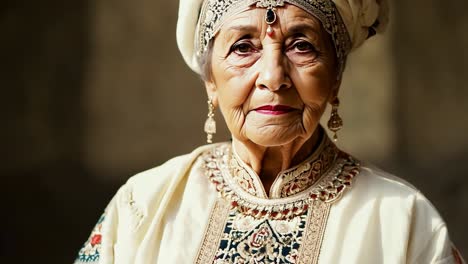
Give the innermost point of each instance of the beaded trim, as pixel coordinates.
(309, 252)
(215, 12)
(213, 232)
(327, 189)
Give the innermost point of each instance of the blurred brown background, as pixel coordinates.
(95, 91)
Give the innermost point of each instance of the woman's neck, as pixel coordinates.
(268, 162)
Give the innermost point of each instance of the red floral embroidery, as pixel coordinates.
(330, 187)
(96, 239)
(90, 252)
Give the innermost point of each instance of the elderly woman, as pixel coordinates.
(281, 191)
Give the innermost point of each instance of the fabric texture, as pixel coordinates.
(360, 15)
(168, 215)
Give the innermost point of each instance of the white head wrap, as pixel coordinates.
(362, 18)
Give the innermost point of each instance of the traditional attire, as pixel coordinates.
(210, 207)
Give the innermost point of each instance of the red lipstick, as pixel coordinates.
(274, 109)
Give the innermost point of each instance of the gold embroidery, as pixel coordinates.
(328, 188)
(288, 182)
(315, 228)
(242, 177)
(237, 238)
(244, 228)
(213, 232)
(297, 180)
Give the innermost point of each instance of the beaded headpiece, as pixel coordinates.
(215, 12)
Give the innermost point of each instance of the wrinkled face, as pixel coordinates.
(272, 88)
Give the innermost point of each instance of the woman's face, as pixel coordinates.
(272, 89)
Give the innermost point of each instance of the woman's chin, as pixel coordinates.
(270, 137)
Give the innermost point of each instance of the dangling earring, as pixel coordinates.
(335, 123)
(210, 123)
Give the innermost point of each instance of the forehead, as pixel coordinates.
(288, 16)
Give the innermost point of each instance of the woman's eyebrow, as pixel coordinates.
(249, 28)
(236, 30)
(241, 29)
(302, 28)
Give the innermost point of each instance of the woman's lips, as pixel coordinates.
(274, 109)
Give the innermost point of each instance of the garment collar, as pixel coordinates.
(288, 182)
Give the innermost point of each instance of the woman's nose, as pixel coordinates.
(273, 73)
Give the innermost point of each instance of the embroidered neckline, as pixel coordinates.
(328, 187)
(288, 182)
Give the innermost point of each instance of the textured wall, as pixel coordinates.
(94, 91)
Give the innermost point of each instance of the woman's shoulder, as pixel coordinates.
(397, 209)
(378, 179)
(165, 177)
(394, 193)
(169, 172)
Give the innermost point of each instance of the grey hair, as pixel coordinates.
(204, 61)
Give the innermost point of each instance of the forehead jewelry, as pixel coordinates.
(214, 13)
(270, 14)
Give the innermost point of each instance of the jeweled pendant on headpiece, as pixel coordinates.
(270, 15)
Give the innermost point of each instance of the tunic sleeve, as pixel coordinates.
(99, 246)
(439, 250)
(429, 240)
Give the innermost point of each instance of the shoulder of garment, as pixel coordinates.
(150, 190)
(136, 205)
(428, 237)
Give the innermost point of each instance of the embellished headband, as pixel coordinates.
(215, 12)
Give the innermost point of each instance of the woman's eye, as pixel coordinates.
(303, 46)
(242, 48)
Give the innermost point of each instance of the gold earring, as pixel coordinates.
(210, 123)
(335, 123)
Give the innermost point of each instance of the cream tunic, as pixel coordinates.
(175, 214)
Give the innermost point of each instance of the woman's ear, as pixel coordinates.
(212, 92)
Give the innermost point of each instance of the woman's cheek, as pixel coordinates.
(233, 113)
(315, 90)
(316, 85)
(235, 90)
(311, 117)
